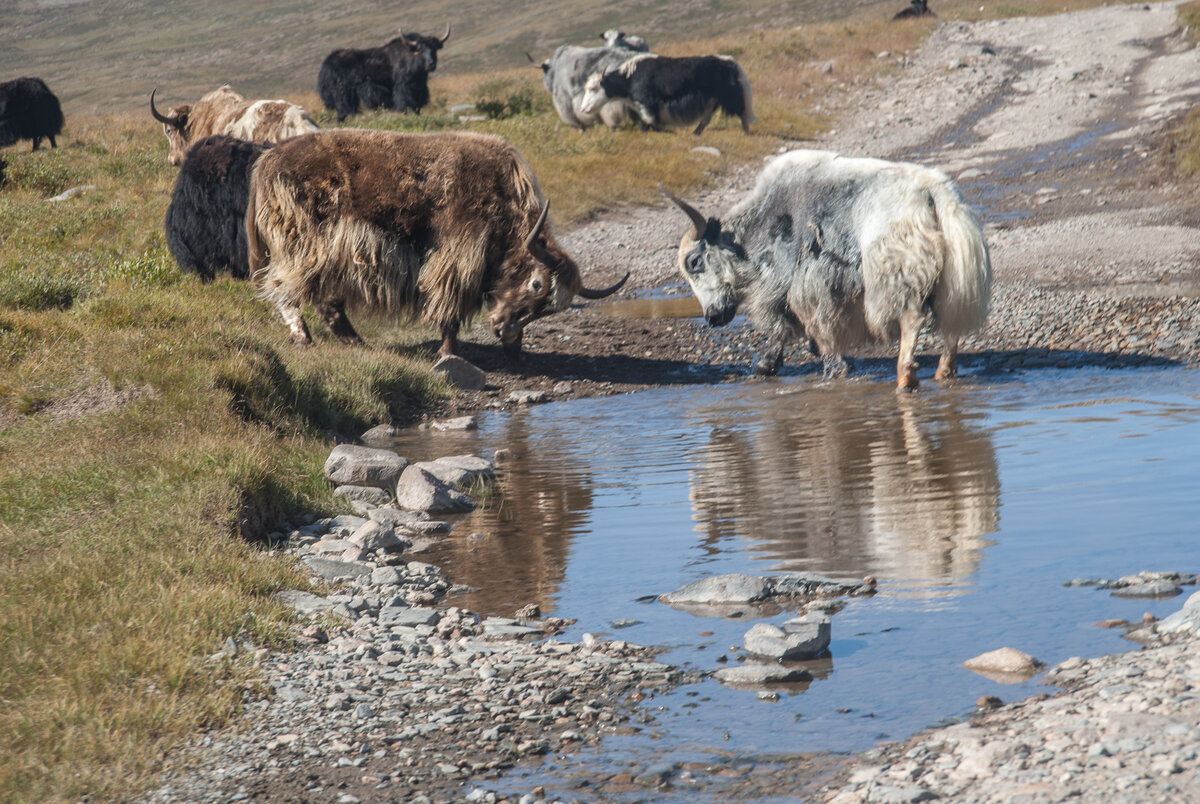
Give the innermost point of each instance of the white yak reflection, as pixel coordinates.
(852, 481)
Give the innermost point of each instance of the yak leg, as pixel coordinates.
(947, 363)
(707, 117)
(767, 365)
(295, 321)
(833, 366)
(53, 144)
(333, 315)
(906, 364)
(36, 141)
(449, 341)
(512, 349)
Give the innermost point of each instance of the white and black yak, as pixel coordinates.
(565, 74)
(205, 222)
(665, 92)
(419, 226)
(844, 251)
(393, 76)
(224, 111)
(29, 111)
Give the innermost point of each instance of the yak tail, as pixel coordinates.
(964, 288)
(747, 97)
(256, 252)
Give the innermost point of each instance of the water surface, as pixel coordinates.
(972, 505)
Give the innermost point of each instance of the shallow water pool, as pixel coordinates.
(972, 505)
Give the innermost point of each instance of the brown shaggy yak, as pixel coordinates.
(428, 226)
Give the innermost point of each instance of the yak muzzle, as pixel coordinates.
(719, 316)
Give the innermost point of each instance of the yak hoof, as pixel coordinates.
(301, 340)
(907, 381)
(947, 373)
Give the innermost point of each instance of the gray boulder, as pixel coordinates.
(420, 490)
(800, 638)
(460, 470)
(376, 537)
(460, 373)
(303, 602)
(335, 570)
(459, 424)
(379, 434)
(350, 465)
(408, 617)
(753, 674)
(740, 593)
(367, 494)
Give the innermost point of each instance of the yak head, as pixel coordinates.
(424, 47)
(539, 279)
(600, 88)
(711, 260)
(175, 126)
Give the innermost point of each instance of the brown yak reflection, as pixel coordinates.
(853, 480)
(512, 551)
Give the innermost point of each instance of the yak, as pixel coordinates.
(918, 8)
(844, 251)
(395, 75)
(224, 111)
(429, 226)
(665, 92)
(205, 220)
(29, 111)
(566, 72)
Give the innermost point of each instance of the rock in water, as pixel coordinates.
(419, 490)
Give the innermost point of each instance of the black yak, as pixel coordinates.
(29, 111)
(205, 221)
(394, 76)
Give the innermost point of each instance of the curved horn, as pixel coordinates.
(698, 220)
(159, 116)
(532, 245)
(531, 61)
(446, 35)
(401, 33)
(588, 293)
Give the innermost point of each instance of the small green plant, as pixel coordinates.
(25, 290)
(42, 172)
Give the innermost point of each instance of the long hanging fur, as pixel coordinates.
(421, 245)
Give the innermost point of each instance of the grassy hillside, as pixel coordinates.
(145, 418)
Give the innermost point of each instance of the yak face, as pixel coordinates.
(711, 261)
(601, 88)
(426, 49)
(531, 286)
(177, 134)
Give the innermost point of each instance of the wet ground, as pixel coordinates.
(972, 504)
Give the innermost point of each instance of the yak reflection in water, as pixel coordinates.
(852, 480)
(517, 551)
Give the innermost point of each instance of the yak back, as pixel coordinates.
(408, 223)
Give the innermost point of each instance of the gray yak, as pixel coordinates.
(566, 72)
(429, 226)
(224, 111)
(844, 251)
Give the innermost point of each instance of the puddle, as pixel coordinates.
(972, 505)
(658, 307)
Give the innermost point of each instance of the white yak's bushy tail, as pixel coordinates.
(964, 290)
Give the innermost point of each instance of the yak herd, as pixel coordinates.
(439, 227)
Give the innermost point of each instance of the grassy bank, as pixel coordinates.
(147, 421)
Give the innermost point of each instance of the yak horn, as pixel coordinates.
(528, 56)
(532, 245)
(447, 34)
(588, 293)
(698, 220)
(159, 116)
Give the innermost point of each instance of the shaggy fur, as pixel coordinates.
(415, 225)
(666, 92)
(29, 111)
(845, 251)
(395, 75)
(565, 74)
(205, 221)
(224, 111)
(919, 8)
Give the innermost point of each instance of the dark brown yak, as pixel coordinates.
(429, 226)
